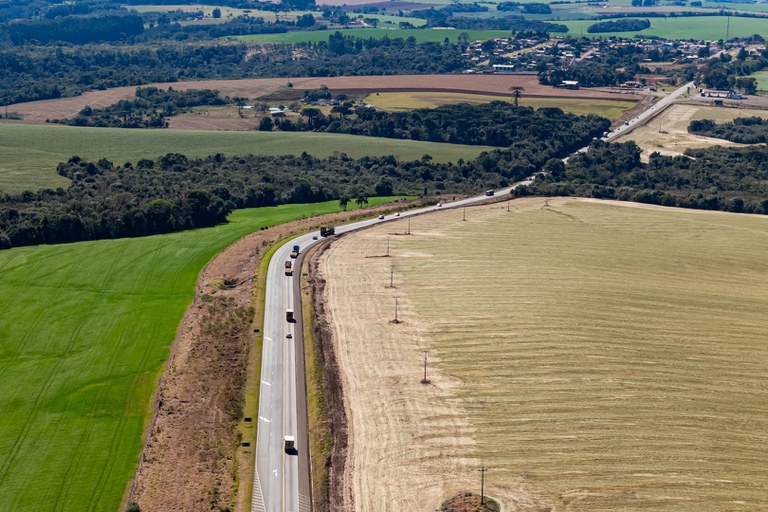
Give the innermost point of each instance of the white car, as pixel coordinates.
(381, 217)
(289, 336)
(397, 214)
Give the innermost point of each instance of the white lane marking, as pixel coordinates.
(265, 419)
(266, 383)
(268, 339)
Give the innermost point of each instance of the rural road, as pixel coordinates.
(282, 480)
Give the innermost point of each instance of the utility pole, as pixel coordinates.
(409, 226)
(425, 380)
(391, 278)
(387, 246)
(396, 320)
(482, 485)
(508, 201)
(465, 214)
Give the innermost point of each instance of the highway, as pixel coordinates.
(282, 480)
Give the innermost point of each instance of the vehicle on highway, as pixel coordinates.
(397, 214)
(295, 252)
(289, 336)
(489, 193)
(314, 237)
(381, 217)
(439, 205)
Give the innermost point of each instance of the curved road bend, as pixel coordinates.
(282, 480)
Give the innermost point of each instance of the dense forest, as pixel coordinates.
(745, 130)
(716, 178)
(498, 123)
(148, 110)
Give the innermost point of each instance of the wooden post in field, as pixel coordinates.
(425, 380)
(482, 485)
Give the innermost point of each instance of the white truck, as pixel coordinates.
(290, 444)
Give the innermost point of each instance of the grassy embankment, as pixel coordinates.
(86, 330)
(621, 368)
(400, 101)
(29, 153)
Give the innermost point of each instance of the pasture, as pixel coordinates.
(29, 153)
(762, 80)
(399, 101)
(424, 35)
(698, 27)
(86, 329)
(594, 356)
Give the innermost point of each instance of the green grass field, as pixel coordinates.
(421, 35)
(762, 80)
(399, 101)
(85, 332)
(29, 153)
(699, 27)
(613, 358)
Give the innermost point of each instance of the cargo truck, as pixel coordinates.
(290, 444)
(289, 316)
(295, 252)
(288, 267)
(327, 231)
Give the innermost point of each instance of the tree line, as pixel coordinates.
(498, 123)
(715, 178)
(744, 130)
(149, 110)
(626, 25)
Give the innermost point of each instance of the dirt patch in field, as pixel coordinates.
(39, 111)
(188, 459)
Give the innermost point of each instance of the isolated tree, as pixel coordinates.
(344, 202)
(517, 93)
(311, 113)
(361, 200)
(216, 13)
(266, 124)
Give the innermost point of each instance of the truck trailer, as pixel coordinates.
(288, 267)
(295, 252)
(290, 444)
(327, 231)
(289, 316)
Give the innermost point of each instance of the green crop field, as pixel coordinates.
(85, 332)
(691, 27)
(29, 153)
(423, 35)
(612, 359)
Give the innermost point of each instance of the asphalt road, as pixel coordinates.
(282, 480)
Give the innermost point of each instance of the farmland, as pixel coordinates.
(592, 355)
(762, 80)
(398, 101)
(700, 27)
(29, 153)
(86, 329)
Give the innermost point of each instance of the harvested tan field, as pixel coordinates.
(39, 111)
(595, 356)
(668, 132)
